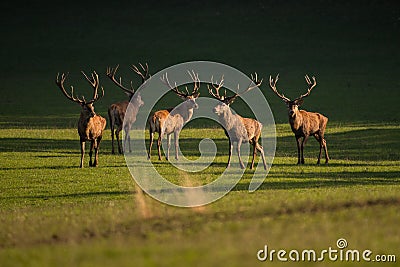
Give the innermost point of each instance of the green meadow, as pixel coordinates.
(53, 213)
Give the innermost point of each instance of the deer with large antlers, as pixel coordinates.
(90, 125)
(237, 128)
(117, 111)
(304, 123)
(171, 121)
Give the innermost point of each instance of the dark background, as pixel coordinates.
(350, 46)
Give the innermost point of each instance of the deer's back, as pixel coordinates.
(157, 119)
(235, 127)
(173, 123)
(93, 128)
(311, 122)
(117, 111)
(253, 127)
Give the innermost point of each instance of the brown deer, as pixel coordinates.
(90, 125)
(117, 111)
(304, 123)
(237, 128)
(172, 120)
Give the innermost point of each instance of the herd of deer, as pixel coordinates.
(171, 121)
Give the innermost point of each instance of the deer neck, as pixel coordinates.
(296, 121)
(188, 115)
(134, 106)
(185, 112)
(227, 119)
(84, 118)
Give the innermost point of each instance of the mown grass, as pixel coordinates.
(53, 213)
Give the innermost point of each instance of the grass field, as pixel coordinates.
(54, 214)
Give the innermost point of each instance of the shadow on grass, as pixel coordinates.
(365, 145)
(313, 180)
(62, 167)
(61, 146)
(318, 183)
(73, 195)
(38, 145)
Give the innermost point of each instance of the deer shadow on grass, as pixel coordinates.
(359, 145)
(190, 146)
(62, 146)
(372, 144)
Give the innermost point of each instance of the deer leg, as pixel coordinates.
(150, 144)
(129, 141)
(302, 148)
(96, 151)
(230, 152)
(176, 139)
(160, 136)
(261, 149)
(117, 131)
(112, 140)
(239, 144)
(82, 152)
(326, 151)
(298, 149)
(92, 145)
(320, 147)
(168, 145)
(254, 154)
(127, 138)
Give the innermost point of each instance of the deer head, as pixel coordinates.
(225, 100)
(130, 92)
(189, 98)
(87, 106)
(293, 105)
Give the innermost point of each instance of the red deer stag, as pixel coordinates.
(172, 120)
(117, 111)
(304, 123)
(90, 125)
(237, 128)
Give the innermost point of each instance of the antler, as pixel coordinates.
(60, 84)
(111, 74)
(272, 85)
(223, 98)
(254, 80)
(196, 81)
(311, 85)
(229, 100)
(94, 81)
(146, 74)
(216, 88)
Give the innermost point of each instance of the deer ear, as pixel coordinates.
(299, 102)
(286, 102)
